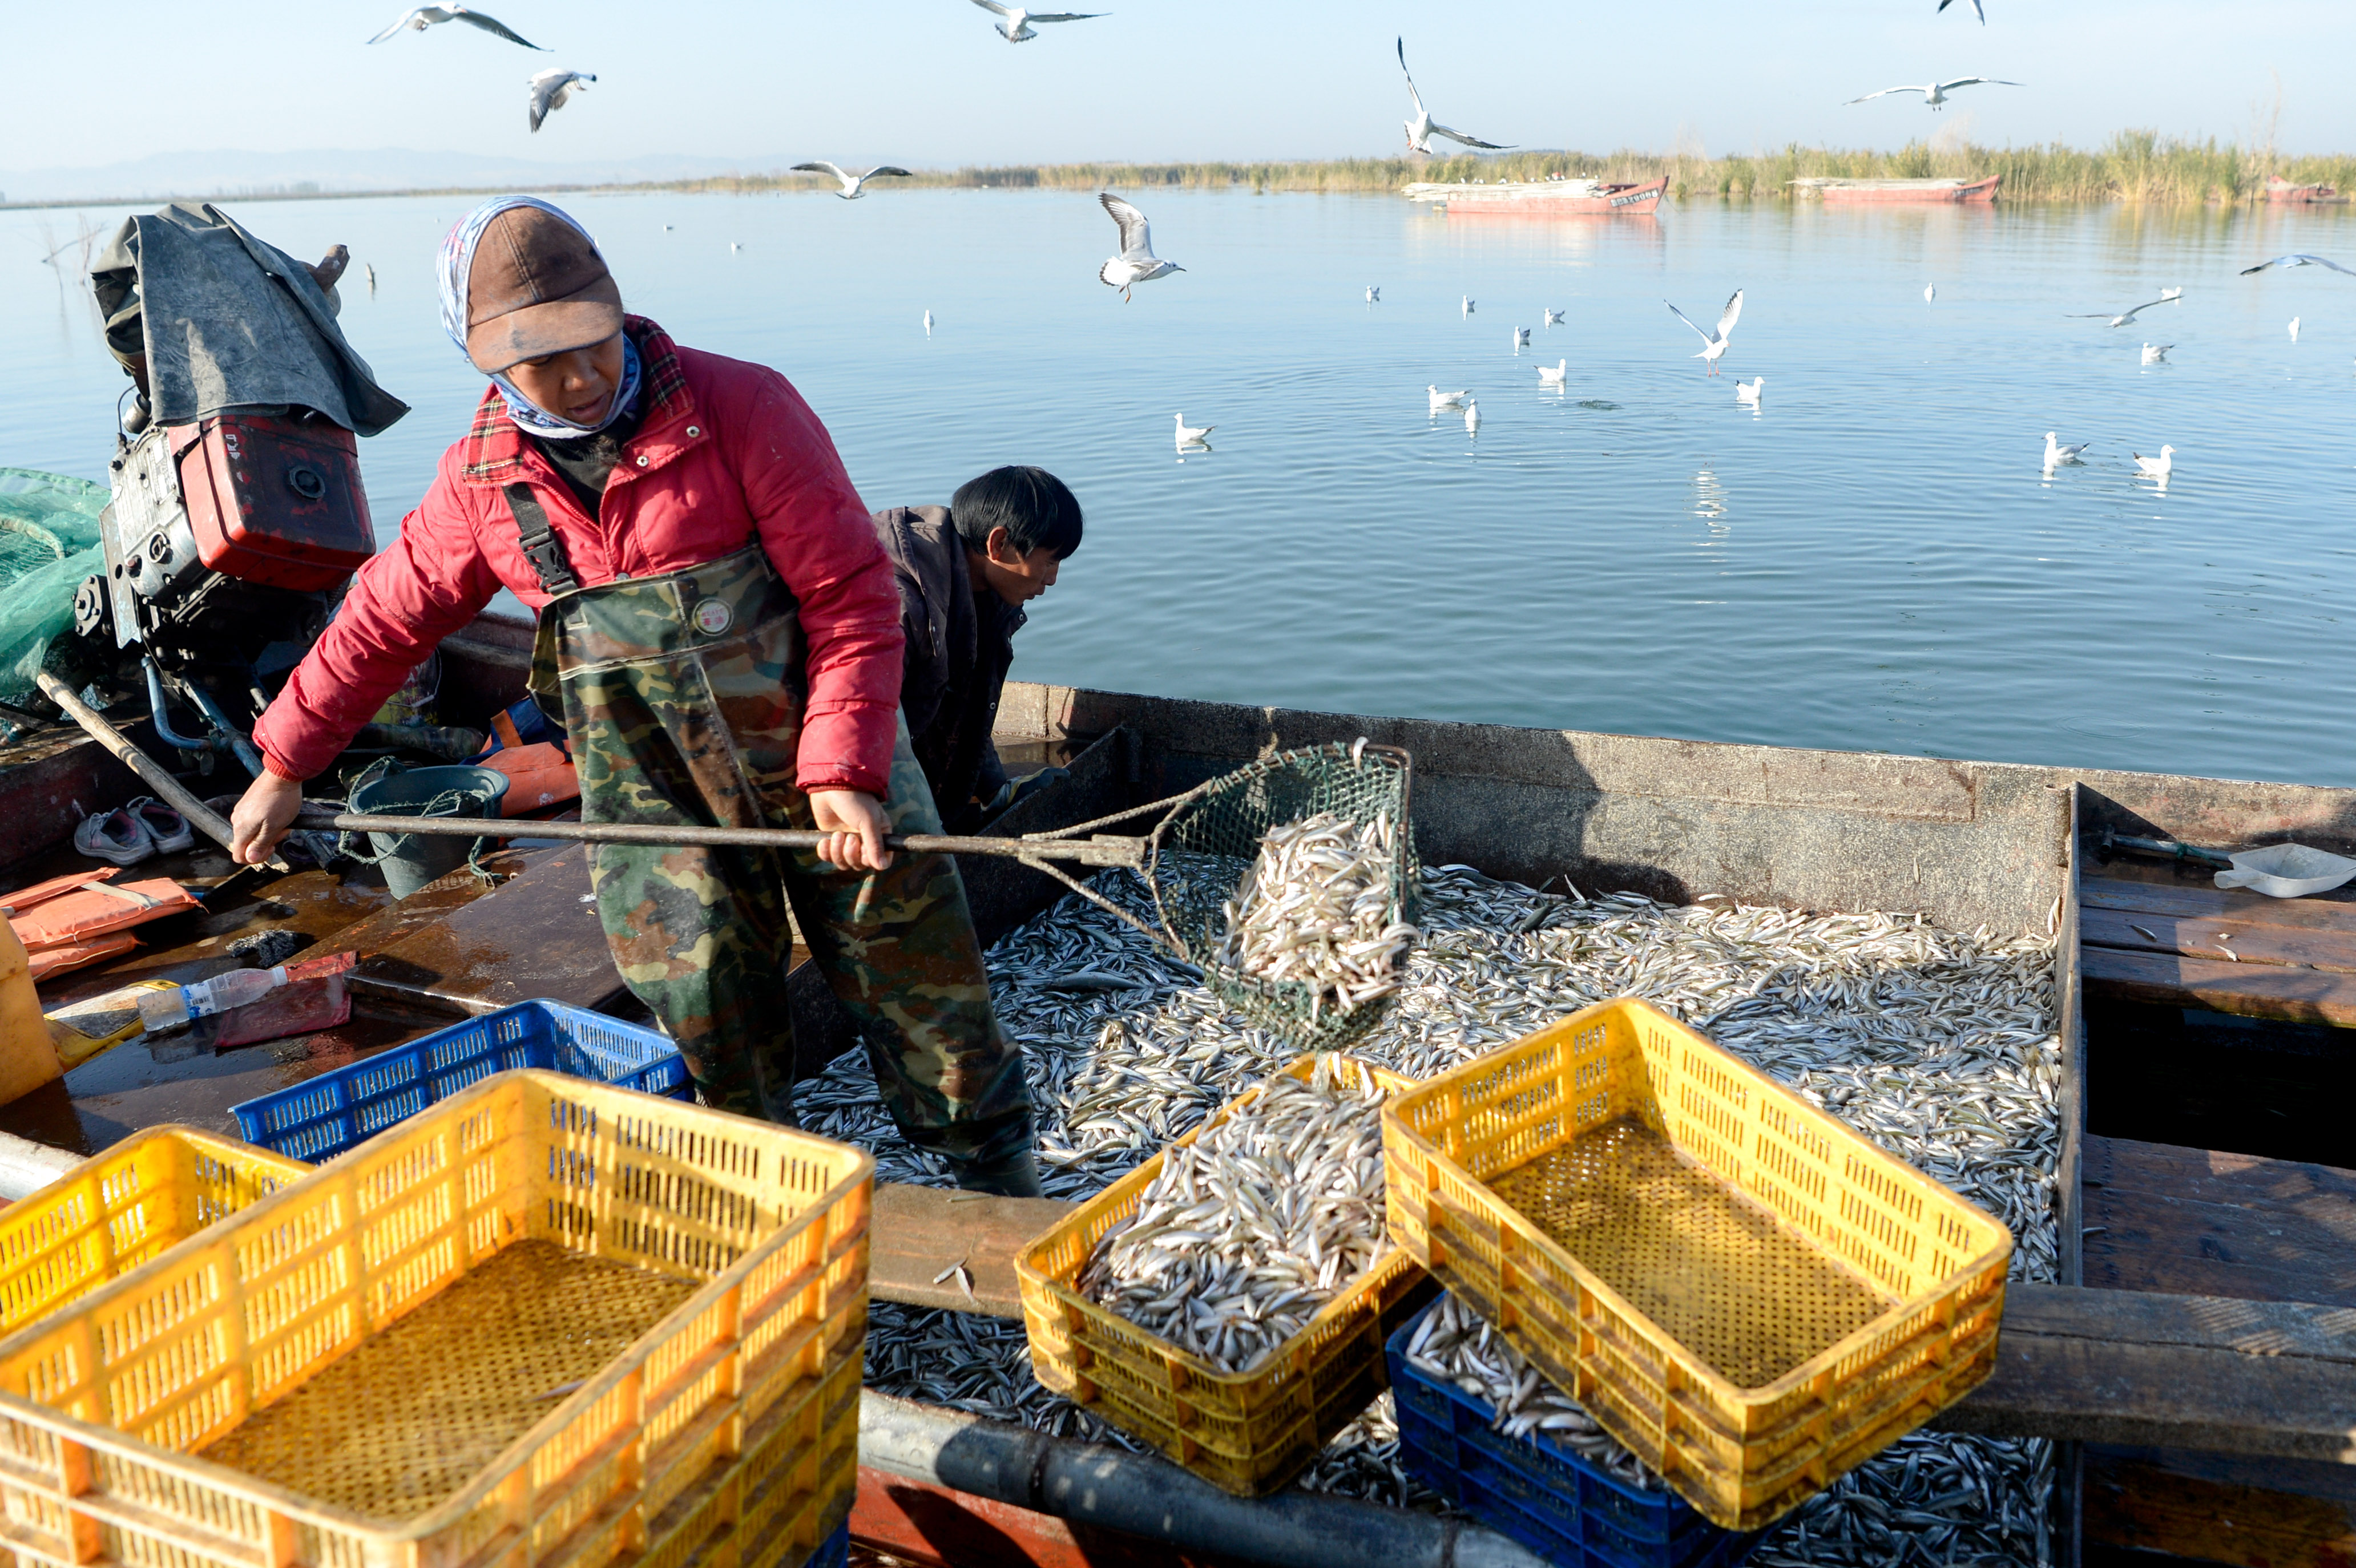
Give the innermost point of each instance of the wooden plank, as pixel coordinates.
(917, 1232)
(2202, 1222)
(535, 937)
(2171, 1371)
(2248, 990)
(2140, 931)
(2152, 1504)
(2182, 901)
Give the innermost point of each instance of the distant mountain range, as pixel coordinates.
(163, 176)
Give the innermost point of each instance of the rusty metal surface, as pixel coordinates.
(919, 1522)
(536, 936)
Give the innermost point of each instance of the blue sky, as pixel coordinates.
(928, 82)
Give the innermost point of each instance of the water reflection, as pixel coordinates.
(1709, 497)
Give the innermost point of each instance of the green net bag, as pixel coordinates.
(48, 544)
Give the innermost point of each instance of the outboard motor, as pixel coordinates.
(238, 513)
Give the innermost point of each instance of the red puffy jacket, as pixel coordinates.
(727, 453)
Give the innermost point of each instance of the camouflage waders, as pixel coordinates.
(683, 696)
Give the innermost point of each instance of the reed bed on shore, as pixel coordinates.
(2141, 167)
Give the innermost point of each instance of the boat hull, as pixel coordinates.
(1535, 199)
(2281, 191)
(1951, 193)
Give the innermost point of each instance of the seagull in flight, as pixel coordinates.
(1713, 344)
(1553, 317)
(1521, 338)
(1934, 94)
(551, 89)
(1423, 127)
(2126, 315)
(2293, 329)
(426, 16)
(1374, 295)
(1137, 264)
(1016, 28)
(1468, 304)
(2057, 454)
(1977, 9)
(2299, 260)
(853, 186)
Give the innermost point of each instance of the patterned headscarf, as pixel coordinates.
(457, 262)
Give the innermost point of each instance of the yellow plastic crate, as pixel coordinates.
(1245, 1433)
(724, 1434)
(1750, 1296)
(117, 1210)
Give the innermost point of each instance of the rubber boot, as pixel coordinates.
(1015, 1174)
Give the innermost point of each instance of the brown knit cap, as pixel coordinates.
(536, 286)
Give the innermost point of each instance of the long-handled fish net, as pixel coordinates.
(1289, 883)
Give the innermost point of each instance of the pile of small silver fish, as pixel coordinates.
(1246, 1231)
(1937, 1044)
(1452, 1345)
(1316, 909)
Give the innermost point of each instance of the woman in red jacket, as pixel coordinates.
(720, 626)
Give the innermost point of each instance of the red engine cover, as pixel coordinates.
(274, 499)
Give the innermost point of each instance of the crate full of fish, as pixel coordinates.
(544, 1324)
(321, 1117)
(1478, 1425)
(1224, 1300)
(1748, 1294)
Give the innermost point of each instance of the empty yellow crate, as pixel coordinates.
(115, 1211)
(1245, 1433)
(1748, 1294)
(723, 1432)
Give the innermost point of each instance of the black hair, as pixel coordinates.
(1032, 505)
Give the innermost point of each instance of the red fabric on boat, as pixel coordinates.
(727, 453)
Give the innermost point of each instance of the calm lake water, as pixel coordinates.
(1872, 561)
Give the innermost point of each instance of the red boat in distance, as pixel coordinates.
(1846, 191)
(2281, 189)
(1560, 197)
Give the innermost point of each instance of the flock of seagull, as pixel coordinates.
(1135, 261)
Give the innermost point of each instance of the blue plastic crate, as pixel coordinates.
(320, 1119)
(1566, 1510)
(834, 1551)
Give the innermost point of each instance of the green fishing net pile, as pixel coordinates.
(49, 543)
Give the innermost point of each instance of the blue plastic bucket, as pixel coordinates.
(413, 859)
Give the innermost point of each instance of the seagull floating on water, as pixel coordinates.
(1930, 293)
(1553, 318)
(1192, 435)
(2299, 258)
(2057, 454)
(1472, 418)
(1374, 295)
(1934, 94)
(1016, 27)
(2153, 353)
(1976, 10)
(1440, 399)
(2125, 316)
(1748, 392)
(2157, 467)
(1423, 127)
(853, 186)
(426, 16)
(1468, 304)
(1521, 338)
(1137, 264)
(2293, 329)
(928, 324)
(1552, 375)
(1713, 344)
(551, 89)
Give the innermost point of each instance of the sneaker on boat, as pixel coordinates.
(116, 836)
(166, 827)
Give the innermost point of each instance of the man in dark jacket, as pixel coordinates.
(965, 571)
